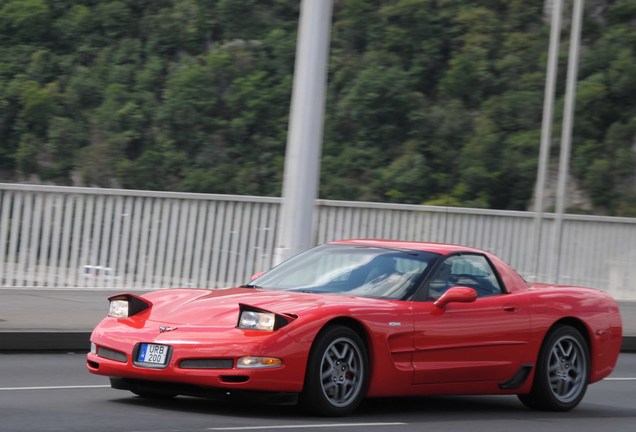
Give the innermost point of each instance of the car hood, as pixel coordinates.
(220, 308)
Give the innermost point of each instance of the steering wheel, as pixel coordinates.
(480, 286)
(456, 277)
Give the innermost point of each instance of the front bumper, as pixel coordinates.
(202, 359)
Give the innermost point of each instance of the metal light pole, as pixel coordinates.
(566, 132)
(306, 119)
(546, 128)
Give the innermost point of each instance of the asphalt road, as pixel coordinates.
(54, 392)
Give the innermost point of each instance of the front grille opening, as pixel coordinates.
(207, 363)
(112, 354)
(234, 378)
(92, 364)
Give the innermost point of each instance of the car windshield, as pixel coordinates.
(361, 271)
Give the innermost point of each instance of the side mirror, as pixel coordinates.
(456, 295)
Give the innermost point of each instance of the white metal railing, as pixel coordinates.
(146, 239)
(143, 239)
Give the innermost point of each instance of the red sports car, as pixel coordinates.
(364, 318)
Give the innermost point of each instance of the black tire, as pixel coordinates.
(562, 371)
(337, 373)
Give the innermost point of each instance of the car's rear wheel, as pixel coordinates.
(337, 373)
(562, 371)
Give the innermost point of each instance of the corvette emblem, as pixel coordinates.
(163, 329)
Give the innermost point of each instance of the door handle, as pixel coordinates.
(511, 308)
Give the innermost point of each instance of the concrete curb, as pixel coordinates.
(629, 344)
(45, 341)
(80, 341)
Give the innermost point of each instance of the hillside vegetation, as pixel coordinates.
(430, 101)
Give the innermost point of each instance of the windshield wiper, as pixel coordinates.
(302, 290)
(250, 286)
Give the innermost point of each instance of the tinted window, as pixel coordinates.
(351, 270)
(473, 271)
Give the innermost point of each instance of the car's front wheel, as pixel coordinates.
(562, 371)
(337, 373)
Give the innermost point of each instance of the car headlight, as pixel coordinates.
(252, 320)
(258, 362)
(126, 305)
(255, 318)
(118, 309)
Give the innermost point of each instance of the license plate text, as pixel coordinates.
(153, 353)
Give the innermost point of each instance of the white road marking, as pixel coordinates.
(305, 426)
(619, 379)
(53, 387)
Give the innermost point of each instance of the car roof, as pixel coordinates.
(438, 248)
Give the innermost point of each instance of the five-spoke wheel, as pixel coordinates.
(562, 371)
(337, 372)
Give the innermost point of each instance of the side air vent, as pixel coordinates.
(518, 379)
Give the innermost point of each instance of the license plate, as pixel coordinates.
(153, 353)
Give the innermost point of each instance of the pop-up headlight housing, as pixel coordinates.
(126, 305)
(253, 318)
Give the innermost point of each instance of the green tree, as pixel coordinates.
(65, 137)
(39, 104)
(428, 101)
(27, 154)
(407, 179)
(24, 21)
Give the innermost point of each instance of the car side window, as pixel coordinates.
(473, 271)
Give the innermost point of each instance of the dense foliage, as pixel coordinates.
(430, 101)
